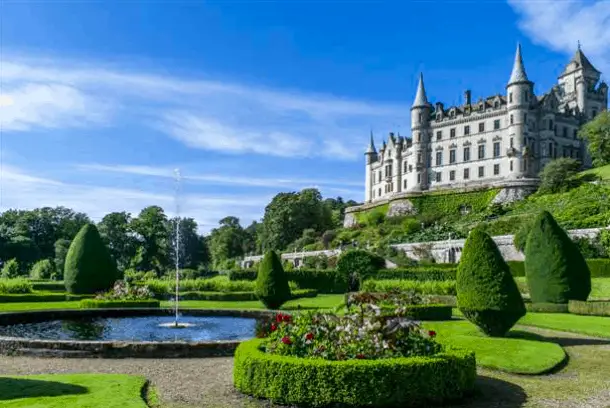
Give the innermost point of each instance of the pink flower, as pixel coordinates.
(286, 340)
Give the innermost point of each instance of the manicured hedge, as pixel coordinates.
(324, 280)
(421, 273)
(238, 296)
(403, 382)
(445, 287)
(592, 308)
(600, 268)
(117, 304)
(40, 297)
(52, 286)
(427, 312)
(546, 307)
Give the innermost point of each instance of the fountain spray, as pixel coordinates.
(177, 243)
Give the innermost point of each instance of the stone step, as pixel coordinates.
(54, 353)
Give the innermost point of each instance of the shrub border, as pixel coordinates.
(316, 382)
(589, 308)
(117, 304)
(546, 307)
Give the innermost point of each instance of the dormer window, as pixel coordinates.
(496, 105)
(438, 116)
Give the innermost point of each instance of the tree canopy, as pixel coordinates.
(597, 135)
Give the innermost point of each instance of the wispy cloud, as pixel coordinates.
(202, 114)
(559, 25)
(22, 190)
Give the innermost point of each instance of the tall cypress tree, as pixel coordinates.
(271, 282)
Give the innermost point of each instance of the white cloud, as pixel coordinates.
(559, 25)
(25, 191)
(202, 114)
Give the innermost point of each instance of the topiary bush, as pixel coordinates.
(555, 269)
(42, 269)
(356, 265)
(10, 269)
(271, 282)
(487, 294)
(89, 268)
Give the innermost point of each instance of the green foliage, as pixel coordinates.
(597, 135)
(520, 237)
(401, 382)
(10, 269)
(39, 297)
(89, 267)
(271, 282)
(356, 265)
(487, 294)
(118, 304)
(414, 286)
(451, 206)
(546, 307)
(241, 296)
(437, 272)
(556, 270)
(42, 269)
(599, 268)
(591, 308)
(325, 281)
(226, 242)
(61, 251)
(517, 268)
(590, 248)
(604, 240)
(17, 285)
(559, 175)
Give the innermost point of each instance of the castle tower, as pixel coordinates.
(417, 179)
(371, 157)
(519, 93)
(580, 77)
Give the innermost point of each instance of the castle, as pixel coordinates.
(500, 139)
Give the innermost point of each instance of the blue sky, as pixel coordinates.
(102, 100)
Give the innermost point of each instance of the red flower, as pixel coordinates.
(273, 327)
(431, 333)
(309, 336)
(279, 318)
(287, 318)
(286, 340)
(360, 356)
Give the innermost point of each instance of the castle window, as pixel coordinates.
(467, 154)
(496, 169)
(525, 118)
(565, 132)
(419, 136)
(404, 184)
(452, 156)
(466, 174)
(419, 158)
(527, 96)
(565, 152)
(405, 168)
(439, 158)
(419, 118)
(511, 119)
(481, 127)
(481, 171)
(510, 97)
(593, 113)
(575, 134)
(379, 176)
(466, 130)
(452, 175)
(512, 142)
(438, 177)
(511, 165)
(379, 195)
(438, 116)
(496, 124)
(496, 104)
(481, 151)
(550, 124)
(418, 178)
(429, 162)
(439, 135)
(452, 132)
(497, 149)
(550, 149)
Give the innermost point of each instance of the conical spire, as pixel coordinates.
(371, 149)
(518, 74)
(420, 97)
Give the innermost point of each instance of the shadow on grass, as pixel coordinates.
(562, 341)
(13, 388)
(492, 392)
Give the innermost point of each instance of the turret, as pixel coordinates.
(371, 157)
(519, 94)
(420, 129)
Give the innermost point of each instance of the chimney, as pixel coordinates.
(467, 97)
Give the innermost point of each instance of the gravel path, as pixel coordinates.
(207, 382)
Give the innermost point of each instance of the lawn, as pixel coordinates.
(73, 390)
(589, 325)
(516, 354)
(603, 172)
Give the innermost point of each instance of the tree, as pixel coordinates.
(10, 269)
(115, 230)
(597, 135)
(89, 267)
(191, 249)
(42, 269)
(271, 282)
(61, 251)
(227, 241)
(487, 294)
(151, 228)
(559, 175)
(356, 265)
(555, 269)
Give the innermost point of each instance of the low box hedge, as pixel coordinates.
(600, 268)
(429, 312)
(546, 307)
(238, 296)
(418, 273)
(49, 286)
(591, 308)
(404, 382)
(323, 280)
(117, 304)
(40, 297)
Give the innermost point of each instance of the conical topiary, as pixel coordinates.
(487, 294)
(555, 269)
(271, 282)
(89, 268)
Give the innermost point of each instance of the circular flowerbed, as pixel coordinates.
(362, 358)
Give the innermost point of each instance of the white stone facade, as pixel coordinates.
(497, 139)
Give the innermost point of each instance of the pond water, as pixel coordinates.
(147, 328)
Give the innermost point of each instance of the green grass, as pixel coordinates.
(600, 287)
(23, 306)
(589, 325)
(73, 390)
(516, 354)
(603, 172)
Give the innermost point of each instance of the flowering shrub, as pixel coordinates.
(363, 335)
(124, 291)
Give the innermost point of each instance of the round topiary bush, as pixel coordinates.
(404, 382)
(487, 294)
(555, 269)
(271, 282)
(10, 269)
(89, 268)
(356, 265)
(42, 269)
